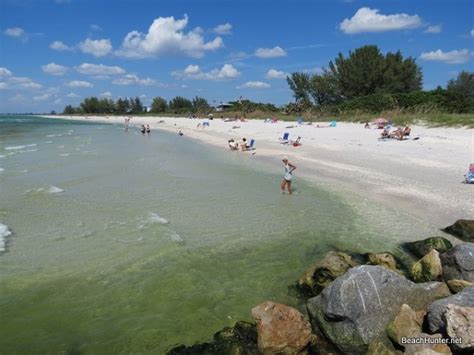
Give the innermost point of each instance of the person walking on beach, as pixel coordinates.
(286, 182)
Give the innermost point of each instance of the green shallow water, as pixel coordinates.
(91, 270)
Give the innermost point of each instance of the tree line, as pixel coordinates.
(368, 81)
(364, 81)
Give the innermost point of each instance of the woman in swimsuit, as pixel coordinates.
(148, 130)
(286, 182)
(143, 130)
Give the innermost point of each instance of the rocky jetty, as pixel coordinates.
(462, 229)
(365, 304)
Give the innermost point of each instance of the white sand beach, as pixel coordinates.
(423, 177)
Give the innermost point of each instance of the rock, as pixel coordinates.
(458, 263)
(422, 247)
(428, 268)
(462, 229)
(407, 324)
(320, 274)
(458, 285)
(281, 329)
(460, 325)
(436, 310)
(356, 308)
(383, 259)
(382, 348)
(240, 339)
(427, 348)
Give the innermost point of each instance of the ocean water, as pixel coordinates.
(123, 243)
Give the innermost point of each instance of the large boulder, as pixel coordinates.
(458, 263)
(460, 325)
(322, 273)
(428, 347)
(428, 268)
(356, 308)
(462, 229)
(407, 324)
(437, 309)
(422, 247)
(458, 285)
(383, 259)
(240, 339)
(281, 329)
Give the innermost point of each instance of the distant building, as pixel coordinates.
(222, 106)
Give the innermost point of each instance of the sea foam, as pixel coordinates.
(16, 147)
(4, 233)
(152, 218)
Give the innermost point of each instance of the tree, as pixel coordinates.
(463, 84)
(200, 105)
(299, 84)
(401, 75)
(180, 104)
(69, 110)
(122, 106)
(90, 105)
(136, 105)
(159, 105)
(324, 89)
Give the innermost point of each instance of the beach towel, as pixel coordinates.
(332, 124)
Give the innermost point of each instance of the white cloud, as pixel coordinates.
(57, 101)
(472, 33)
(228, 71)
(270, 52)
(99, 69)
(43, 97)
(453, 57)
(370, 20)
(59, 46)
(95, 27)
(131, 79)
(106, 94)
(72, 95)
(54, 69)
(167, 36)
(254, 85)
(276, 74)
(4, 72)
(15, 32)
(3, 86)
(17, 98)
(223, 29)
(433, 29)
(96, 47)
(79, 84)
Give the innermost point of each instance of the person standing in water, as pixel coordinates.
(286, 182)
(148, 130)
(143, 130)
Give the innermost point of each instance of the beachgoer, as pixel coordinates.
(406, 131)
(244, 145)
(385, 133)
(297, 142)
(233, 145)
(143, 130)
(148, 130)
(180, 133)
(286, 182)
(366, 125)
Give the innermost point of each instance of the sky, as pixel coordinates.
(57, 52)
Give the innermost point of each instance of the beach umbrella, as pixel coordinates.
(380, 120)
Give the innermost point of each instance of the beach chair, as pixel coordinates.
(469, 178)
(251, 146)
(285, 139)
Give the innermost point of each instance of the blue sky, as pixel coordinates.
(57, 52)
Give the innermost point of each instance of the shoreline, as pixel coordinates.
(421, 177)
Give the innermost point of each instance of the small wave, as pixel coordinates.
(60, 146)
(152, 218)
(4, 233)
(49, 142)
(28, 151)
(65, 154)
(16, 147)
(2, 156)
(175, 237)
(51, 135)
(53, 190)
(1, 170)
